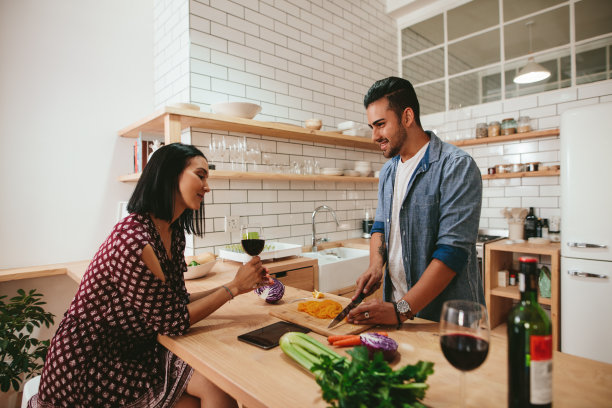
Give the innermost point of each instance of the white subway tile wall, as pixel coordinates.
(297, 59)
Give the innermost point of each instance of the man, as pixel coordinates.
(426, 224)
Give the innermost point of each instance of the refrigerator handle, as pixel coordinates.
(580, 274)
(584, 245)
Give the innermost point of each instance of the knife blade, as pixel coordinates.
(346, 310)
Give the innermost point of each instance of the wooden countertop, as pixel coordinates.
(268, 378)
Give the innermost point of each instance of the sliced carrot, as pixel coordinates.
(383, 334)
(352, 341)
(334, 338)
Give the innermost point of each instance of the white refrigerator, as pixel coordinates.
(586, 232)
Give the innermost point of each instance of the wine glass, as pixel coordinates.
(464, 336)
(252, 239)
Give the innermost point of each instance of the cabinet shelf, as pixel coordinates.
(499, 299)
(238, 175)
(171, 122)
(507, 138)
(512, 292)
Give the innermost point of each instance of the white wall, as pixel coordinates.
(72, 73)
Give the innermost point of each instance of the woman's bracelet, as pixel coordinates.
(228, 291)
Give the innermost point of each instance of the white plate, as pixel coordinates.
(352, 173)
(277, 250)
(199, 271)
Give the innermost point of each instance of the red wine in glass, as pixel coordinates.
(464, 336)
(252, 239)
(465, 352)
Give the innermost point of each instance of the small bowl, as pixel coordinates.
(244, 110)
(352, 173)
(194, 272)
(184, 105)
(314, 124)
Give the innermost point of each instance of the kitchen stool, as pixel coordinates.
(29, 390)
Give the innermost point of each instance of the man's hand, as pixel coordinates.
(373, 311)
(368, 282)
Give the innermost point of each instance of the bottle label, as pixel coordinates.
(540, 369)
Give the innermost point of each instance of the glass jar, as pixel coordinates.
(523, 124)
(481, 130)
(508, 126)
(494, 128)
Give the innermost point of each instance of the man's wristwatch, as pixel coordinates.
(403, 308)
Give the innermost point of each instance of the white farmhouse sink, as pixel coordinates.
(339, 267)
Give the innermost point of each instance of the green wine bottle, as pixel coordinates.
(529, 344)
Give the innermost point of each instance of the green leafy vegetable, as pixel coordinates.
(360, 382)
(193, 263)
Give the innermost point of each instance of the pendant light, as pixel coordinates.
(532, 72)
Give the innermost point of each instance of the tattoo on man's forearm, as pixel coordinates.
(382, 250)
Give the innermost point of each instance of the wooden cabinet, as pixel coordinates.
(499, 256)
(172, 121)
(298, 272)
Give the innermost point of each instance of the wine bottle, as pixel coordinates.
(530, 224)
(529, 344)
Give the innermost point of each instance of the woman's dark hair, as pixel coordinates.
(400, 94)
(159, 183)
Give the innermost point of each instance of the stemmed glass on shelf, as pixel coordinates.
(464, 336)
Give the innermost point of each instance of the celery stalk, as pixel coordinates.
(305, 350)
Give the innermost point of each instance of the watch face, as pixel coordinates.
(403, 307)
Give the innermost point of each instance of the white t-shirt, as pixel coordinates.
(403, 174)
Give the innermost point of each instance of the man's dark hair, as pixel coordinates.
(400, 94)
(159, 184)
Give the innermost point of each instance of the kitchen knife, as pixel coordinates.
(346, 310)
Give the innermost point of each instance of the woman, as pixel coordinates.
(105, 352)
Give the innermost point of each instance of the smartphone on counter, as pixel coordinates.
(267, 337)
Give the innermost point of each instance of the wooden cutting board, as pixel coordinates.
(288, 312)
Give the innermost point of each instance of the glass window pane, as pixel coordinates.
(472, 17)
(424, 67)
(475, 88)
(473, 52)
(423, 35)
(593, 18)
(591, 62)
(431, 97)
(549, 30)
(517, 8)
(554, 63)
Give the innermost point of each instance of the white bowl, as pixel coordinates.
(194, 272)
(352, 173)
(239, 109)
(314, 124)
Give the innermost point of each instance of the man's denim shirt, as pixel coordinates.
(439, 219)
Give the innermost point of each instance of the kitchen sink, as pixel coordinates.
(339, 267)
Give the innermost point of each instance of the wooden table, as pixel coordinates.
(268, 378)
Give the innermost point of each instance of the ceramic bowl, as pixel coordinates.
(314, 124)
(194, 272)
(239, 109)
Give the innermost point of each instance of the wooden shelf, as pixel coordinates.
(171, 121)
(238, 175)
(512, 292)
(508, 138)
(543, 173)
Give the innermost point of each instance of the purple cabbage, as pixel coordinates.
(271, 293)
(377, 342)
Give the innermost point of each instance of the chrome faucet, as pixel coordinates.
(315, 241)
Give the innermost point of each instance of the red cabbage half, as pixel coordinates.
(271, 293)
(377, 342)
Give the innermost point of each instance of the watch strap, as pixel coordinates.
(397, 314)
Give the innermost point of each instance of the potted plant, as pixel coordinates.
(21, 354)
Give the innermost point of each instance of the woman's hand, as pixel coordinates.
(251, 275)
(373, 311)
